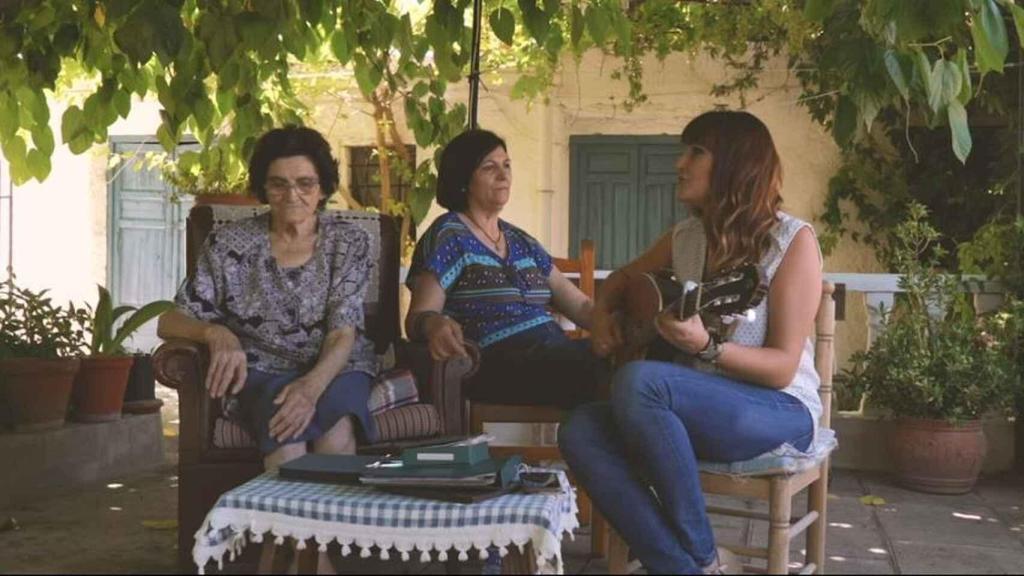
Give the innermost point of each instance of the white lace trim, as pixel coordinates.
(251, 525)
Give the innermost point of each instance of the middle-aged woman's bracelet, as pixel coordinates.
(418, 334)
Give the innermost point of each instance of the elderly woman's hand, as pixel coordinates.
(688, 335)
(444, 337)
(228, 367)
(297, 403)
(605, 333)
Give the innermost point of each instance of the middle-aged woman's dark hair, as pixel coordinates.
(459, 159)
(285, 143)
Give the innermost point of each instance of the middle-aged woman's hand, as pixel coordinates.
(444, 337)
(228, 367)
(688, 335)
(297, 405)
(605, 332)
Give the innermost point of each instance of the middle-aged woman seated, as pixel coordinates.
(278, 299)
(478, 277)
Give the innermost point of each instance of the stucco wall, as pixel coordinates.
(60, 225)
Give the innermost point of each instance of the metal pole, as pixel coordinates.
(1020, 129)
(9, 197)
(474, 65)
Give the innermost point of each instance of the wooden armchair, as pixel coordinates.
(777, 489)
(215, 454)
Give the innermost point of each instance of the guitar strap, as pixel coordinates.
(689, 250)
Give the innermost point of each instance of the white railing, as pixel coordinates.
(880, 292)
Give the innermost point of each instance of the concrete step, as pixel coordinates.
(78, 454)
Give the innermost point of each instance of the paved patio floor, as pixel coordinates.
(126, 527)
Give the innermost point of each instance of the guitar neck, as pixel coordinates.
(689, 303)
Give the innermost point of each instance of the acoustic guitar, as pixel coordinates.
(733, 292)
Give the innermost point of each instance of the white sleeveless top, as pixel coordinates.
(806, 382)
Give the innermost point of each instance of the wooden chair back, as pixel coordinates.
(583, 269)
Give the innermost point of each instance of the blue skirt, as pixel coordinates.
(346, 395)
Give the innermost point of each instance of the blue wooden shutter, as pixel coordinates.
(146, 234)
(622, 194)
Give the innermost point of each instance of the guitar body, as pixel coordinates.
(646, 295)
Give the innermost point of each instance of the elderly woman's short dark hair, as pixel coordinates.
(460, 158)
(285, 143)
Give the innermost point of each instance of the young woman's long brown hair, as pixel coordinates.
(743, 198)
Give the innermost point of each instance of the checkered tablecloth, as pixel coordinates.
(355, 515)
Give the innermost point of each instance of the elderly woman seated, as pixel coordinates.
(278, 299)
(476, 276)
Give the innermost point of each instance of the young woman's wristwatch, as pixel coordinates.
(712, 350)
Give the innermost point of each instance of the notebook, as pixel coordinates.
(350, 469)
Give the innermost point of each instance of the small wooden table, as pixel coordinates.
(527, 528)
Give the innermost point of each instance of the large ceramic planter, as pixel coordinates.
(140, 393)
(937, 457)
(37, 391)
(99, 388)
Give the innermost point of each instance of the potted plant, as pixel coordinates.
(101, 381)
(38, 345)
(997, 251)
(938, 368)
(213, 175)
(140, 392)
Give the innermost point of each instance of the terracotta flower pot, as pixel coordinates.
(37, 391)
(99, 388)
(936, 456)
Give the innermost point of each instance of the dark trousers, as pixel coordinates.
(539, 366)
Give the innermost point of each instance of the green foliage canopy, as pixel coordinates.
(220, 68)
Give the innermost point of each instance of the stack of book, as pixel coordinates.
(461, 471)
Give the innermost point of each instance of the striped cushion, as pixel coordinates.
(413, 421)
(393, 389)
(230, 434)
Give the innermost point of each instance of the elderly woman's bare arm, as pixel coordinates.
(298, 399)
(228, 366)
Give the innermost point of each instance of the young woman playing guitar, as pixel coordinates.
(749, 387)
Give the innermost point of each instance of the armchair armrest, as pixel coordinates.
(440, 383)
(181, 364)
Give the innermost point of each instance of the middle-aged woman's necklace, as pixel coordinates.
(495, 241)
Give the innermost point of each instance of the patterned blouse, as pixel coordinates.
(281, 315)
(490, 297)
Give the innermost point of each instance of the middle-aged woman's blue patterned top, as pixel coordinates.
(490, 297)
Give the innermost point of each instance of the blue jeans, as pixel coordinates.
(661, 419)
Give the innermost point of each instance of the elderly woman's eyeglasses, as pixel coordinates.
(279, 186)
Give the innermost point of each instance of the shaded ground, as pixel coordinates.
(127, 526)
